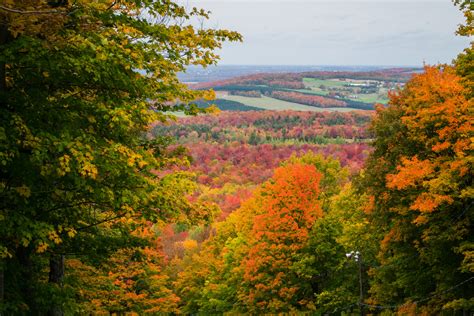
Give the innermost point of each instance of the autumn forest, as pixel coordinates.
(126, 191)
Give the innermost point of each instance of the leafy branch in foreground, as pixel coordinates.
(80, 85)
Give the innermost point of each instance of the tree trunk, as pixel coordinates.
(3, 85)
(2, 285)
(56, 276)
(26, 271)
(4, 39)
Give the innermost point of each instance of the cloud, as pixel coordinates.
(318, 32)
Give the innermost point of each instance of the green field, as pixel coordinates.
(371, 98)
(315, 91)
(314, 85)
(274, 104)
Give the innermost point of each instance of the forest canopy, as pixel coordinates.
(108, 207)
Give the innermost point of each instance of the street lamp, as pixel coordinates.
(357, 256)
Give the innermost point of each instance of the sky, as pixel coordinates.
(337, 32)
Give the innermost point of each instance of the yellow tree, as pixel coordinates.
(211, 276)
(80, 83)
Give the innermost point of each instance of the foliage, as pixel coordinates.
(232, 153)
(80, 84)
(101, 215)
(250, 93)
(257, 260)
(323, 264)
(267, 126)
(419, 177)
(289, 208)
(131, 280)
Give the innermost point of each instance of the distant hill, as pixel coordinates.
(327, 90)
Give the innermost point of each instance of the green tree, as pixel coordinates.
(80, 84)
(344, 228)
(465, 61)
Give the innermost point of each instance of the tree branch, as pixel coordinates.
(112, 5)
(108, 219)
(11, 10)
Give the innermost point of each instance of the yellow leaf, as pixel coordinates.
(42, 246)
(71, 232)
(23, 191)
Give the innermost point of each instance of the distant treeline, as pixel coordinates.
(273, 127)
(227, 105)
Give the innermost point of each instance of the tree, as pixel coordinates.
(289, 208)
(210, 279)
(80, 83)
(465, 62)
(255, 259)
(131, 280)
(420, 180)
(323, 263)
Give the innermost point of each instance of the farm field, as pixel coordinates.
(315, 83)
(335, 85)
(273, 104)
(366, 98)
(324, 90)
(372, 98)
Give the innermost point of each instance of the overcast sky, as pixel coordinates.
(349, 32)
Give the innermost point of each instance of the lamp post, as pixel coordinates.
(357, 256)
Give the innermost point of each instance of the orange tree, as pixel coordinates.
(289, 208)
(420, 178)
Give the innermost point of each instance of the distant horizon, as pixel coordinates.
(226, 71)
(315, 65)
